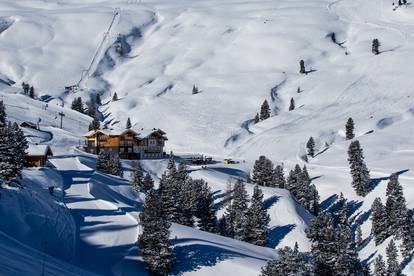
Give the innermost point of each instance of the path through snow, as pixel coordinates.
(105, 232)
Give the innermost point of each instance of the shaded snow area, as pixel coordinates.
(237, 53)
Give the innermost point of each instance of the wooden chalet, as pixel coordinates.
(129, 144)
(37, 155)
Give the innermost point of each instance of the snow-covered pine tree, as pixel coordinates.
(290, 262)
(292, 104)
(359, 171)
(115, 97)
(102, 162)
(77, 105)
(19, 146)
(379, 227)
(310, 146)
(128, 123)
(349, 129)
(115, 166)
(293, 182)
(278, 177)
(239, 209)
(98, 99)
(31, 92)
(95, 124)
(257, 227)
(3, 115)
(263, 172)
(147, 183)
(407, 245)
(393, 267)
(302, 69)
(379, 266)
(227, 222)
(137, 177)
(324, 245)
(347, 261)
(206, 211)
(154, 243)
(195, 90)
(264, 111)
(395, 207)
(375, 46)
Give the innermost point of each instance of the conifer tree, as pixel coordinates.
(239, 207)
(395, 206)
(379, 221)
(115, 97)
(407, 245)
(206, 212)
(349, 129)
(310, 145)
(147, 183)
(302, 67)
(98, 99)
(379, 266)
(257, 226)
(95, 124)
(290, 262)
(77, 105)
(264, 111)
(292, 104)
(359, 171)
(375, 46)
(279, 178)
(293, 182)
(393, 267)
(154, 243)
(195, 90)
(128, 123)
(109, 163)
(323, 245)
(263, 172)
(31, 92)
(137, 177)
(19, 146)
(102, 161)
(3, 115)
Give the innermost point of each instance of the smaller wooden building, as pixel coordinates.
(37, 155)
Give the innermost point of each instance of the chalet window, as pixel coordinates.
(121, 149)
(129, 150)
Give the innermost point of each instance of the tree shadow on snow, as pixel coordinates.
(269, 202)
(376, 181)
(192, 257)
(277, 234)
(328, 202)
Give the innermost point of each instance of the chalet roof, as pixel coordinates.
(144, 133)
(38, 150)
(110, 132)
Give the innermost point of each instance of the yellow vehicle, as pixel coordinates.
(228, 161)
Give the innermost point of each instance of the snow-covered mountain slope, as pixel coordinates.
(238, 53)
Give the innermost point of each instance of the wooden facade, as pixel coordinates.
(37, 155)
(129, 144)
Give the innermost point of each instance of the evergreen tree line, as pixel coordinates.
(298, 182)
(109, 163)
(393, 219)
(185, 200)
(13, 145)
(393, 267)
(333, 249)
(244, 222)
(28, 90)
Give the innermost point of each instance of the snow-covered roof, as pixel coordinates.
(38, 150)
(142, 133)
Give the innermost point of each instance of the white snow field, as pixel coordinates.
(238, 53)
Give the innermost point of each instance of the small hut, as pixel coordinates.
(37, 155)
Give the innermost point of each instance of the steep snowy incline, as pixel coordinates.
(18, 259)
(106, 233)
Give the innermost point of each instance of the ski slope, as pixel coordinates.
(238, 53)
